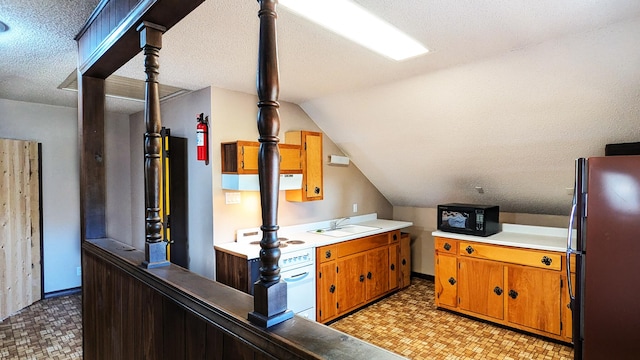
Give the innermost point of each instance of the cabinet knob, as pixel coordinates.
(447, 246)
(404, 262)
(327, 255)
(513, 294)
(546, 260)
(369, 274)
(497, 290)
(332, 289)
(469, 249)
(395, 237)
(452, 281)
(393, 267)
(361, 278)
(316, 190)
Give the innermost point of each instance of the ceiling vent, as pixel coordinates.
(125, 88)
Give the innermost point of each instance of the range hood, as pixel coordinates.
(249, 182)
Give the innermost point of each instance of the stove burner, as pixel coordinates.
(282, 244)
(295, 242)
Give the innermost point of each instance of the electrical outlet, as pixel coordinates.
(232, 198)
(355, 208)
(79, 271)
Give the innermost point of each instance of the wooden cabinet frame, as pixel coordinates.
(354, 273)
(521, 288)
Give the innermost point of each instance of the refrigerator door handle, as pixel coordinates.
(569, 248)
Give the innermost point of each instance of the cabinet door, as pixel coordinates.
(481, 287)
(377, 272)
(404, 261)
(394, 269)
(290, 161)
(446, 280)
(351, 282)
(311, 154)
(313, 162)
(326, 289)
(534, 298)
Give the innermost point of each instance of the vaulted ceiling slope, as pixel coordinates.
(510, 94)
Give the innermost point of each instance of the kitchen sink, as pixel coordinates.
(344, 230)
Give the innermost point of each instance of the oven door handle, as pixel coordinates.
(297, 277)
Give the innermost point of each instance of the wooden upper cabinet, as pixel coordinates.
(310, 143)
(241, 157)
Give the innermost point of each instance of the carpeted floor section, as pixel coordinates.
(408, 324)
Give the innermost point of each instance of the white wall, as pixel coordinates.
(234, 117)
(179, 115)
(118, 180)
(55, 128)
(425, 222)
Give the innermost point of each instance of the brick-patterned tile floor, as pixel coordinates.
(408, 324)
(49, 329)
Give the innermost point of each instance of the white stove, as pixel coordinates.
(297, 269)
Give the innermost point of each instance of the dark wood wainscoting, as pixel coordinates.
(170, 313)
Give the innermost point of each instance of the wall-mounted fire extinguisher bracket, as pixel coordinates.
(202, 138)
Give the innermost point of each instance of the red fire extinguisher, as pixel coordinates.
(202, 137)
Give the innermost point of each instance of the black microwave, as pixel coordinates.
(477, 220)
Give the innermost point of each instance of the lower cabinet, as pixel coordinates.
(481, 287)
(353, 273)
(520, 288)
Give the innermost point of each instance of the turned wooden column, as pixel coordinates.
(155, 249)
(270, 292)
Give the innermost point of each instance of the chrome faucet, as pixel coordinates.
(334, 223)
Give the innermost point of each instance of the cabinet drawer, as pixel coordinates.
(446, 246)
(358, 245)
(326, 253)
(540, 259)
(394, 236)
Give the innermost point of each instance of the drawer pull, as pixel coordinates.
(447, 246)
(404, 261)
(513, 294)
(452, 281)
(469, 249)
(327, 255)
(546, 260)
(395, 237)
(361, 278)
(332, 289)
(393, 267)
(369, 274)
(497, 290)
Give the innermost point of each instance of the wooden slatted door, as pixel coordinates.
(20, 265)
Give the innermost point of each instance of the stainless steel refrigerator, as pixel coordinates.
(606, 292)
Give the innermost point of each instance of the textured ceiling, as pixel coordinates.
(510, 94)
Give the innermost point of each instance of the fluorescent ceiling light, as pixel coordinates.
(352, 21)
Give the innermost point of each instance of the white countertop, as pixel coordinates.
(305, 232)
(523, 236)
